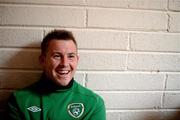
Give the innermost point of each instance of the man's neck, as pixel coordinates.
(46, 85)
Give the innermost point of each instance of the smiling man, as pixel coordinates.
(57, 96)
(59, 61)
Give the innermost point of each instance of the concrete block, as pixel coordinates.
(129, 81)
(112, 116)
(134, 100)
(14, 37)
(174, 24)
(137, 4)
(146, 115)
(172, 100)
(140, 115)
(154, 62)
(127, 19)
(19, 58)
(80, 78)
(101, 39)
(42, 16)
(102, 61)
(168, 42)
(17, 79)
(174, 5)
(173, 82)
(49, 2)
(12, 79)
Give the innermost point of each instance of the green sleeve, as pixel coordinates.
(13, 111)
(100, 112)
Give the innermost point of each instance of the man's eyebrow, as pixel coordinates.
(72, 53)
(67, 53)
(56, 53)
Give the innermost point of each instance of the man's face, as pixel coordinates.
(60, 61)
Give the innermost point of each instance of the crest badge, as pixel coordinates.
(76, 109)
(34, 109)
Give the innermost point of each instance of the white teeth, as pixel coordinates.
(63, 72)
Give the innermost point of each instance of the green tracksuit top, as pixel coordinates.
(47, 101)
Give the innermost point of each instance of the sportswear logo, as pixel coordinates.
(76, 109)
(34, 109)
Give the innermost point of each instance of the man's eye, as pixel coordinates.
(56, 56)
(71, 56)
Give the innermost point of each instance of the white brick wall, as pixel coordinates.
(156, 42)
(129, 51)
(20, 37)
(174, 22)
(174, 5)
(96, 60)
(140, 4)
(154, 62)
(127, 19)
(125, 81)
(101, 39)
(171, 100)
(173, 82)
(19, 58)
(42, 16)
(132, 100)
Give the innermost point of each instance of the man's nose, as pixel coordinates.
(64, 61)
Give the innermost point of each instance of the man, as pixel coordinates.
(57, 96)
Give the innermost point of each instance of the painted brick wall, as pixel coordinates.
(129, 51)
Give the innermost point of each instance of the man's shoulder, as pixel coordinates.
(84, 91)
(28, 90)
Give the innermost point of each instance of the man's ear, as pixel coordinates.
(41, 59)
(77, 57)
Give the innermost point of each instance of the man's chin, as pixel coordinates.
(63, 82)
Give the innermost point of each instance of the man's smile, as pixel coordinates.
(63, 72)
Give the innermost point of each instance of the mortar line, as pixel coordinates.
(164, 90)
(168, 23)
(86, 80)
